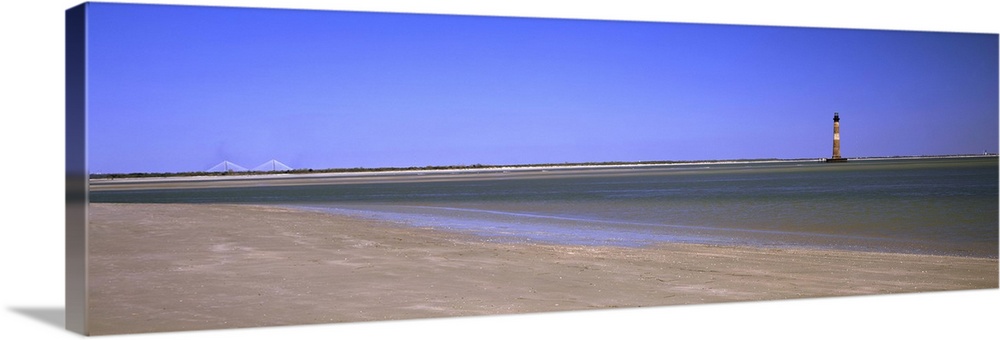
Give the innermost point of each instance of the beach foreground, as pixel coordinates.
(172, 267)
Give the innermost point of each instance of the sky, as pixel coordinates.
(183, 88)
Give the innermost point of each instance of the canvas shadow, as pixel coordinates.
(54, 316)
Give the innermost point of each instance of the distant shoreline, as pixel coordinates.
(431, 174)
(480, 167)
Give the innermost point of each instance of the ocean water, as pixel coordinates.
(946, 206)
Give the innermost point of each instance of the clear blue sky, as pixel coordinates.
(176, 88)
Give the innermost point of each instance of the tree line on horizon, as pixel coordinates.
(457, 167)
(386, 169)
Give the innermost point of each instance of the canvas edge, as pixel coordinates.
(76, 170)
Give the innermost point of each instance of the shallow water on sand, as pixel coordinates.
(932, 206)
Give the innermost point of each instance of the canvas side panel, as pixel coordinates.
(76, 169)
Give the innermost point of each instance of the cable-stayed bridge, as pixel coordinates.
(271, 165)
(226, 166)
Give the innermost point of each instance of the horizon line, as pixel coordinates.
(526, 165)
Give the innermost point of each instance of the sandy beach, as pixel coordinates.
(173, 267)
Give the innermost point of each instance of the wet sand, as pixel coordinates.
(172, 267)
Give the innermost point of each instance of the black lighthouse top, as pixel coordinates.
(836, 117)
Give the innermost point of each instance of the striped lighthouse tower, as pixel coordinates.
(836, 140)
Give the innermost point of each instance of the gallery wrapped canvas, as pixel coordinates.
(233, 167)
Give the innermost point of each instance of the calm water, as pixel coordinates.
(933, 206)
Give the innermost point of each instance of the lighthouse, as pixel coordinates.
(836, 140)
